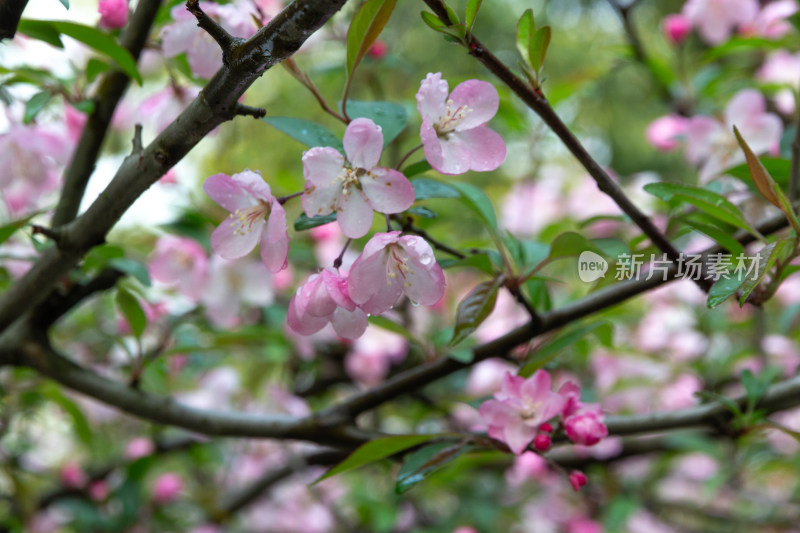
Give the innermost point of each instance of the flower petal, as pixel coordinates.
(518, 436)
(322, 165)
(387, 190)
(253, 183)
(456, 156)
(432, 145)
(424, 280)
(487, 150)
(228, 193)
(305, 325)
(363, 143)
(320, 200)
(354, 214)
(349, 324)
(233, 239)
(432, 97)
(480, 99)
(275, 240)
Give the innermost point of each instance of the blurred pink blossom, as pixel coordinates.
(139, 447)
(485, 377)
(373, 355)
(181, 262)
(771, 20)
(782, 67)
(73, 476)
(715, 20)
(676, 27)
(665, 132)
(578, 480)
(167, 487)
(680, 393)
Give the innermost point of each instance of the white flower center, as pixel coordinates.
(528, 409)
(242, 220)
(451, 119)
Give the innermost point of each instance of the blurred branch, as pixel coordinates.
(537, 102)
(10, 13)
(794, 173)
(106, 98)
(215, 104)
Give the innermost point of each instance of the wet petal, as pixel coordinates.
(304, 325)
(233, 239)
(228, 193)
(275, 240)
(480, 101)
(320, 200)
(387, 190)
(432, 97)
(322, 165)
(355, 214)
(363, 143)
(487, 150)
(349, 324)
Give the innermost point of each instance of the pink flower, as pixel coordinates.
(139, 447)
(676, 27)
(578, 480)
(255, 215)
(73, 476)
(453, 131)
(203, 53)
(167, 487)
(378, 50)
(771, 20)
(521, 406)
(665, 132)
(357, 186)
(715, 20)
(323, 299)
(231, 286)
(782, 67)
(99, 491)
(711, 144)
(391, 266)
(113, 13)
(181, 262)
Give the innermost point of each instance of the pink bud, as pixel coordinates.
(167, 487)
(378, 50)
(542, 442)
(578, 480)
(113, 13)
(586, 428)
(73, 476)
(546, 427)
(676, 28)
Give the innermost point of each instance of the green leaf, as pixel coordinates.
(549, 351)
(770, 190)
(65, 3)
(434, 22)
(309, 133)
(777, 167)
(526, 254)
(723, 288)
(303, 222)
(132, 311)
(538, 47)
(367, 24)
(722, 238)
(423, 212)
(35, 105)
(474, 308)
(95, 67)
(92, 37)
(79, 423)
(525, 30)
(774, 252)
(478, 261)
(707, 201)
(376, 450)
(133, 268)
(477, 201)
(390, 325)
(7, 230)
(43, 32)
(420, 464)
(571, 244)
(428, 188)
(391, 117)
(417, 168)
(472, 11)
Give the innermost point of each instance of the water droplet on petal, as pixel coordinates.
(426, 259)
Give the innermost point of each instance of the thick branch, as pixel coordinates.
(214, 105)
(10, 14)
(106, 98)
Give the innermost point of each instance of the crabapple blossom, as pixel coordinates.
(167, 487)
(453, 131)
(782, 67)
(354, 187)
(113, 13)
(771, 20)
(323, 298)
(390, 266)
(676, 27)
(583, 423)
(715, 20)
(664, 132)
(232, 284)
(520, 407)
(711, 145)
(181, 262)
(255, 216)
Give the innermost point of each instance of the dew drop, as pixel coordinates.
(426, 259)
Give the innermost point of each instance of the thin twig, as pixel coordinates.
(225, 40)
(250, 111)
(137, 140)
(794, 173)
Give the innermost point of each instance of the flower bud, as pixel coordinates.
(542, 442)
(578, 480)
(676, 28)
(167, 487)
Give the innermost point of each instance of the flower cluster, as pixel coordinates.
(522, 410)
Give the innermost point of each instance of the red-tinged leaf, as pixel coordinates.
(367, 24)
(766, 186)
(474, 309)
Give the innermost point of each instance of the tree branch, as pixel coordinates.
(215, 104)
(10, 14)
(225, 40)
(106, 98)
